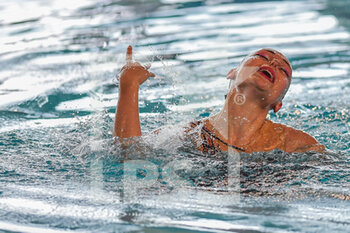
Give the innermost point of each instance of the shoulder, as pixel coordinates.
(297, 140)
(272, 126)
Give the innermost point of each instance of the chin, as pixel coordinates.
(258, 83)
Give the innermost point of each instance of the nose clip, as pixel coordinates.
(274, 61)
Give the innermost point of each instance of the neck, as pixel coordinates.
(238, 124)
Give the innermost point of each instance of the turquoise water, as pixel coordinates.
(59, 169)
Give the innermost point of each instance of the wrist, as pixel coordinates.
(129, 93)
(128, 86)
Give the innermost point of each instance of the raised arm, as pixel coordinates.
(132, 75)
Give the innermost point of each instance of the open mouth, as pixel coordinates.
(268, 73)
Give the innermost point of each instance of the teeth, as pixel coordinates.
(270, 75)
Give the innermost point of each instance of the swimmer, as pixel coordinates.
(258, 85)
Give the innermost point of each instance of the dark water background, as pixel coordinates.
(59, 170)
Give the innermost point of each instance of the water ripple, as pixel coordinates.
(59, 165)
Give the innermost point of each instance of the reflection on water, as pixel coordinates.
(60, 169)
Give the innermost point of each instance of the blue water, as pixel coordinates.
(59, 168)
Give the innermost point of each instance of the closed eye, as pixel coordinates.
(285, 72)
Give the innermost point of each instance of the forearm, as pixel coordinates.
(127, 120)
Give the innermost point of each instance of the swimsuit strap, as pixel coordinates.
(208, 143)
(219, 139)
(195, 124)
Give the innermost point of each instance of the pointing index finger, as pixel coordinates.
(129, 54)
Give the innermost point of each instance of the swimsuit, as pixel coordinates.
(271, 136)
(207, 144)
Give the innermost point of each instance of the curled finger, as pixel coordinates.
(147, 66)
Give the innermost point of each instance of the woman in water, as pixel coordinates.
(259, 84)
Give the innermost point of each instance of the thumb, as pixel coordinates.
(151, 74)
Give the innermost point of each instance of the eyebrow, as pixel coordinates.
(273, 52)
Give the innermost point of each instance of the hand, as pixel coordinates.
(133, 73)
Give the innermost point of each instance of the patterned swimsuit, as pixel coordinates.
(206, 144)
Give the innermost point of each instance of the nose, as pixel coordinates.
(275, 62)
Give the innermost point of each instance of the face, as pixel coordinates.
(268, 71)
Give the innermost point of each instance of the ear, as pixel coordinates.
(277, 106)
(232, 74)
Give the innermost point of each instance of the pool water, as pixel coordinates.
(60, 170)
